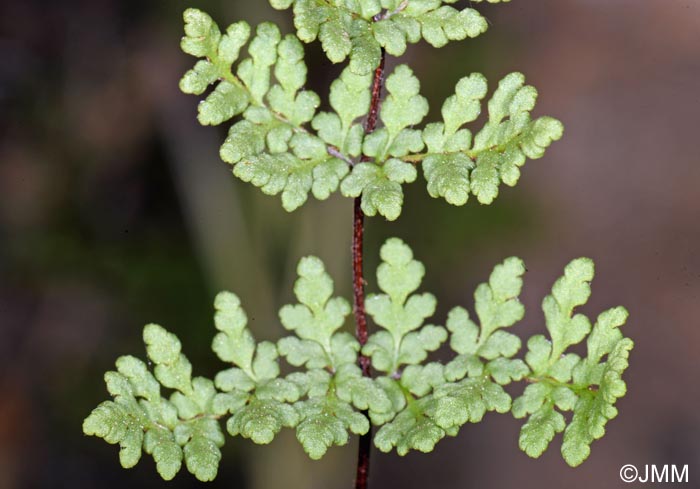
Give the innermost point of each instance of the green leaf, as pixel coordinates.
(589, 386)
(509, 137)
(162, 347)
(203, 39)
(261, 420)
(463, 365)
(399, 274)
(302, 352)
(165, 451)
(505, 370)
(254, 72)
(257, 399)
(426, 420)
(201, 439)
(497, 303)
(281, 4)
(420, 380)
(141, 383)
(389, 36)
(606, 333)
(416, 345)
(308, 169)
(446, 24)
(228, 402)
(334, 35)
(198, 79)
(570, 291)
(172, 368)
(118, 422)
(199, 402)
(316, 321)
(448, 176)
(416, 405)
(465, 333)
(202, 35)
(412, 429)
(366, 53)
(225, 102)
(270, 147)
(484, 178)
(497, 306)
(468, 401)
(403, 106)
(139, 418)
(234, 378)
(287, 98)
(380, 347)
(328, 414)
(350, 97)
(359, 28)
(396, 395)
(281, 390)
(362, 392)
(456, 166)
(540, 430)
(234, 343)
(380, 186)
(326, 422)
(592, 413)
(312, 383)
(398, 312)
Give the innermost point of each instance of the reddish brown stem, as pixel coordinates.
(358, 280)
(377, 84)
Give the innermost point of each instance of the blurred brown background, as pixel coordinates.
(116, 211)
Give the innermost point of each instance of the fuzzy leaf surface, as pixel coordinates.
(561, 381)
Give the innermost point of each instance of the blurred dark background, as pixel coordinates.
(115, 210)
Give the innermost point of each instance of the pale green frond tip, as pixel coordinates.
(281, 4)
(395, 252)
(459, 163)
(580, 270)
(506, 278)
(226, 300)
(310, 266)
(404, 107)
(561, 381)
(163, 347)
(316, 321)
(201, 33)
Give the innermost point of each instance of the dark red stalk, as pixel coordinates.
(358, 280)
